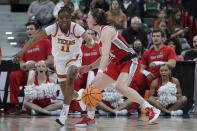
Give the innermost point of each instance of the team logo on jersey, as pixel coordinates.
(66, 42)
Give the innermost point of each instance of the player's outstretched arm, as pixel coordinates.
(31, 42)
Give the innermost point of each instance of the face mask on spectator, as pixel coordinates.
(137, 48)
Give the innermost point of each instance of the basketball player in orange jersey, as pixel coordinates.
(123, 66)
(66, 42)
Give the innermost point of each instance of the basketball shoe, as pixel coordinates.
(63, 115)
(85, 122)
(62, 118)
(153, 113)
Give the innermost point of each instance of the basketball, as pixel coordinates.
(91, 96)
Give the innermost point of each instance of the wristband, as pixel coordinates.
(145, 72)
(158, 63)
(101, 71)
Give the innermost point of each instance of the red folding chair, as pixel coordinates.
(185, 19)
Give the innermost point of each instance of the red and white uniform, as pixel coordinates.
(164, 54)
(160, 84)
(66, 48)
(44, 102)
(119, 50)
(39, 51)
(90, 55)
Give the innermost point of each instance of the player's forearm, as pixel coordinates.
(95, 65)
(171, 63)
(49, 61)
(32, 41)
(103, 62)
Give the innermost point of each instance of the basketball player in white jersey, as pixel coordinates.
(66, 42)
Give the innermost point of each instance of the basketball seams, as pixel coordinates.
(91, 96)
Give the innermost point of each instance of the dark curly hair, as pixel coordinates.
(100, 16)
(65, 9)
(177, 43)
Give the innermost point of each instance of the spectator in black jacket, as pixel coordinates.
(192, 54)
(130, 8)
(135, 32)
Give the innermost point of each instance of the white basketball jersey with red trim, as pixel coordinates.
(64, 45)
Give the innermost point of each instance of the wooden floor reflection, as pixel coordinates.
(131, 123)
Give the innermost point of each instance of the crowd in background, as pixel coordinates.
(134, 19)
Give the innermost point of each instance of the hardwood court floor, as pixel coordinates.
(131, 123)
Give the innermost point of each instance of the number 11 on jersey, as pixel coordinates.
(65, 49)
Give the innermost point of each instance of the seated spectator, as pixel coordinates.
(43, 105)
(178, 4)
(116, 15)
(152, 58)
(162, 15)
(138, 47)
(171, 4)
(176, 45)
(61, 4)
(151, 8)
(162, 25)
(78, 18)
(0, 55)
(134, 31)
(102, 4)
(130, 8)
(41, 10)
(192, 54)
(40, 51)
(174, 23)
(167, 87)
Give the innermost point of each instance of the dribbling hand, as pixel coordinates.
(84, 69)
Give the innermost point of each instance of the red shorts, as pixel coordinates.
(114, 69)
(42, 103)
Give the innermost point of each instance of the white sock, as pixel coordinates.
(146, 104)
(64, 112)
(91, 114)
(55, 113)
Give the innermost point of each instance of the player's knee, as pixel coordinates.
(62, 83)
(119, 87)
